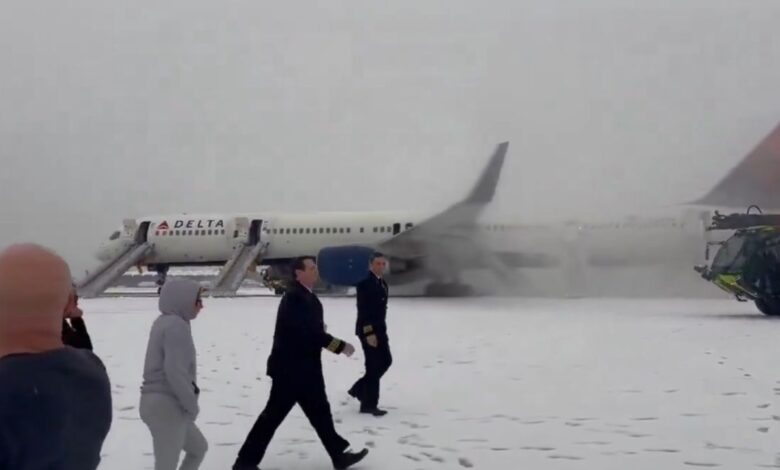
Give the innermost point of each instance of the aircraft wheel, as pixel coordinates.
(768, 307)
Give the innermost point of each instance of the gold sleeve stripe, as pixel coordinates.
(368, 329)
(334, 345)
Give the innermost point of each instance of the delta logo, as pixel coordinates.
(192, 224)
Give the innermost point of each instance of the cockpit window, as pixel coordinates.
(114, 235)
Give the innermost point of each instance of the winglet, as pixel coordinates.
(755, 180)
(485, 188)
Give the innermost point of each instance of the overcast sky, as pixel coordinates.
(117, 109)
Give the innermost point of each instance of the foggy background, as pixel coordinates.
(121, 109)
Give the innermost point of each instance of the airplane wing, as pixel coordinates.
(449, 234)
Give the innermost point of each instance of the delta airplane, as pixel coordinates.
(432, 248)
(417, 245)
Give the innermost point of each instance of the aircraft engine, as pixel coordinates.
(344, 265)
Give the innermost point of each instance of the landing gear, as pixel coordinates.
(449, 289)
(162, 275)
(274, 278)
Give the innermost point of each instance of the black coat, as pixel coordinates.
(75, 334)
(300, 336)
(372, 293)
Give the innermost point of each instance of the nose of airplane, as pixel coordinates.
(104, 252)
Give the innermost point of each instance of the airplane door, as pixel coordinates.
(241, 231)
(141, 236)
(130, 227)
(255, 232)
(396, 228)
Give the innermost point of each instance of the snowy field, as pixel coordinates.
(485, 384)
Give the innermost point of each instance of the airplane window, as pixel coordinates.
(327, 230)
(349, 230)
(190, 232)
(308, 230)
(341, 230)
(361, 230)
(375, 230)
(114, 235)
(382, 229)
(409, 225)
(209, 232)
(322, 230)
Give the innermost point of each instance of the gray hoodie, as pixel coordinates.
(170, 365)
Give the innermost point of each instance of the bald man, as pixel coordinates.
(55, 401)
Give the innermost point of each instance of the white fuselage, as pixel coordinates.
(210, 239)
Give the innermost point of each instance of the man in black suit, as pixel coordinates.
(371, 328)
(295, 365)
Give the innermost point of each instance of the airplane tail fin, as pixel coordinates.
(755, 180)
(485, 187)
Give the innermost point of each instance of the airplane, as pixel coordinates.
(417, 245)
(677, 237)
(435, 249)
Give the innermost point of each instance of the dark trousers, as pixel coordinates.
(286, 392)
(378, 361)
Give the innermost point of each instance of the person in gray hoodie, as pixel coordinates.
(169, 394)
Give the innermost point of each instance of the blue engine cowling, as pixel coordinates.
(344, 265)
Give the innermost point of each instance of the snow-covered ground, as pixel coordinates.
(485, 383)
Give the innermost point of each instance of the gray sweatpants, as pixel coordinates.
(172, 432)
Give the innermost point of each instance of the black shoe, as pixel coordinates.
(348, 459)
(373, 411)
(244, 466)
(354, 394)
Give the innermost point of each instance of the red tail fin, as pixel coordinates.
(756, 180)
